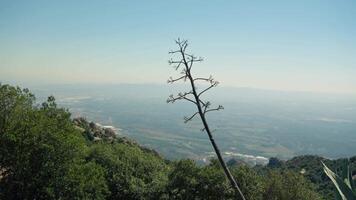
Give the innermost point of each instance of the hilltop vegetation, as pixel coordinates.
(311, 168)
(44, 154)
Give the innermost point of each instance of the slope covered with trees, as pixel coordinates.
(311, 168)
(44, 154)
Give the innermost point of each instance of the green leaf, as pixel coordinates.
(343, 188)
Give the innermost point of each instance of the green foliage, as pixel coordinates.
(86, 181)
(183, 180)
(13, 100)
(131, 173)
(282, 185)
(251, 183)
(38, 149)
(313, 171)
(275, 163)
(213, 183)
(188, 181)
(342, 182)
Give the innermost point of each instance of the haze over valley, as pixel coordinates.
(254, 123)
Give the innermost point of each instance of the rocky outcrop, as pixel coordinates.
(95, 131)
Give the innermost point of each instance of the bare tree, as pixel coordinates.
(185, 64)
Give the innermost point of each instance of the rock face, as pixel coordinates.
(110, 132)
(95, 131)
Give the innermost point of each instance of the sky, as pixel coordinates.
(304, 45)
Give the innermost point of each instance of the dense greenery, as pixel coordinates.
(343, 182)
(45, 155)
(312, 169)
(42, 155)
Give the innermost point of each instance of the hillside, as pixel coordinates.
(311, 168)
(45, 154)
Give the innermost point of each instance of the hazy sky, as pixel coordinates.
(290, 45)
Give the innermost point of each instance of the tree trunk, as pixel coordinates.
(216, 148)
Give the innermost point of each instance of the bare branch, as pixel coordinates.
(182, 44)
(175, 62)
(189, 100)
(210, 79)
(206, 106)
(178, 41)
(180, 96)
(191, 60)
(184, 71)
(173, 52)
(171, 80)
(185, 45)
(190, 65)
(214, 84)
(191, 57)
(201, 79)
(187, 119)
(178, 63)
(202, 102)
(202, 107)
(195, 60)
(185, 93)
(220, 107)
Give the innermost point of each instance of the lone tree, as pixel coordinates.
(185, 64)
